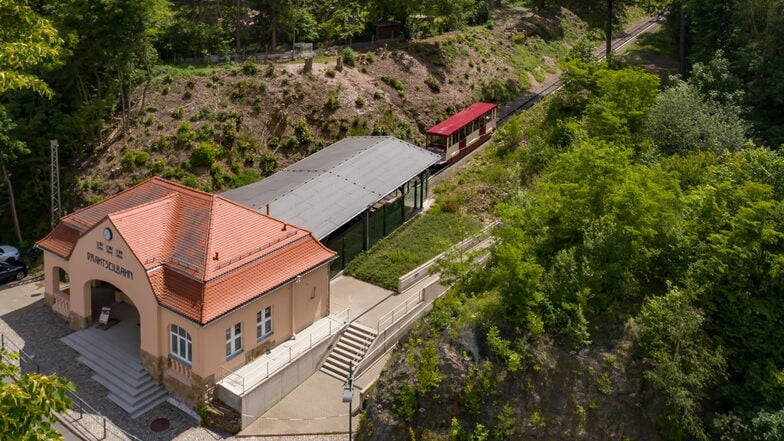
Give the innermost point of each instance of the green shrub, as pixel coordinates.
(333, 102)
(158, 165)
(205, 154)
(141, 158)
(394, 83)
(178, 113)
(185, 133)
(191, 181)
(244, 177)
(359, 102)
(268, 164)
(250, 66)
(432, 83)
(129, 159)
(349, 56)
(273, 142)
(330, 73)
(302, 132)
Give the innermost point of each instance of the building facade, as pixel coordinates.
(214, 283)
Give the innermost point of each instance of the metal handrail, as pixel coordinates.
(102, 421)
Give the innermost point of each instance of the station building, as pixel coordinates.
(201, 288)
(201, 284)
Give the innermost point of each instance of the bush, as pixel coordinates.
(250, 66)
(330, 73)
(349, 57)
(394, 83)
(359, 102)
(141, 158)
(178, 113)
(268, 164)
(432, 83)
(205, 154)
(333, 102)
(185, 133)
(302, 132)
(273, 142)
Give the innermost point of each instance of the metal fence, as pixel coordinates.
(82, 417)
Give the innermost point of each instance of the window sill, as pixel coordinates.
(264, 337)
(234, 355)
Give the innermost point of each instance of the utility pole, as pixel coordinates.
(55, 182)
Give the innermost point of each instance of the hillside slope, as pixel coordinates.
(220, 127)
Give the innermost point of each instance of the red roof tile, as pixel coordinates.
(61, 240)
(206, 255)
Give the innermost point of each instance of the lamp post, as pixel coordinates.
(348, 395)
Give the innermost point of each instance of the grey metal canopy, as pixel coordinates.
(332, 186)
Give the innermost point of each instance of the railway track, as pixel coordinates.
(532, 97)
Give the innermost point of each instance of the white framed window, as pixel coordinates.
(234, 340)
(181, 344)
(264, 323)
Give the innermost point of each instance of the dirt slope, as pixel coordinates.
(220, 127)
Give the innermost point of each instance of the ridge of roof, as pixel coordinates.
(130, 211)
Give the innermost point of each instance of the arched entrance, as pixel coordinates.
(111, 345)
(120, 330)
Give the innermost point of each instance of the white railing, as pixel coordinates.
(62, 302)
(399, 311)
(417, 274)
(257, 371)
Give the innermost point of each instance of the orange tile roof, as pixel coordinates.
(205, 255)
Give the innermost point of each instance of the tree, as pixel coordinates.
(27, 41)
(680, 359)
(683, 120)
(28, 402)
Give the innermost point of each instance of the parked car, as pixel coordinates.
(12, 271)
(8, 254)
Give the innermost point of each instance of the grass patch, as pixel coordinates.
(180, 71)
(410, 246)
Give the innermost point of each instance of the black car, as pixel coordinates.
(12, 271)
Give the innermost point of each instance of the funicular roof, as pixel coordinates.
(332, 186)
(460, 119)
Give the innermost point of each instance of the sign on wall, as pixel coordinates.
(111, 266)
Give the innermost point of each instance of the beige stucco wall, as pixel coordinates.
(52, 275)
(209, 342)
(294, 307)
(136, 286)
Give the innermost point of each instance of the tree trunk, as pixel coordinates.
(682, 37)
(608, 31)
(237, 28)
(15, 218)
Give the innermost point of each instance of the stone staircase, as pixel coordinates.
(130, 386)
(351, 347)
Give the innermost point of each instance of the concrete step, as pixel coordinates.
(140, 408)
(128, 383)
(351, 347)
(122, 363)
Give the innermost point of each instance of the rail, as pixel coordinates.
(388, 319)
(257, 371)
(82, 417)
(619, 44)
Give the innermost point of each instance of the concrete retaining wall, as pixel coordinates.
(253, 403)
